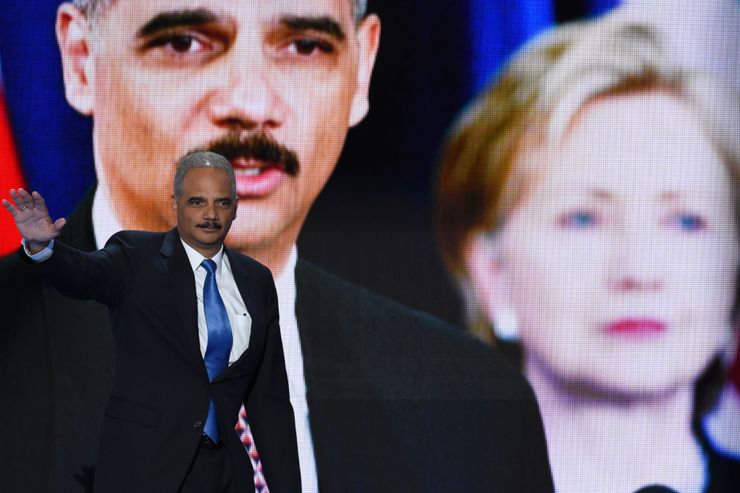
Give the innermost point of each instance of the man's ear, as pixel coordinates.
(174, 204)
(73, 38)
(368, 37)
(490, 282)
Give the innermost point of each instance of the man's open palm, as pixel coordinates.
(32, 217)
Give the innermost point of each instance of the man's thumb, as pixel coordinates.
(59, 224)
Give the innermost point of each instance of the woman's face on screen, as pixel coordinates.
(621, 262)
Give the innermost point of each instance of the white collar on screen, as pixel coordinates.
(105, 223)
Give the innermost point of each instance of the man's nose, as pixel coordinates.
(210, 211)
(249, 97)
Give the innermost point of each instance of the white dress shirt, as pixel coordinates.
(236, 309)
(286, 291)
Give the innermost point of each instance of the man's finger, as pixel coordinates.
(59, 224)
(21, 199)
(23, 195)
(10, 207)
(38, 200)
(26, 200)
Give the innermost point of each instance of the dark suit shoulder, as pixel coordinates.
(243, 264)
(248, 262)
(354, 300)
(142, 245)
(404, 339)
(383, 373)
(133, 237)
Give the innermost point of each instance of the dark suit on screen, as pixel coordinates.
(156, 412)
(398, 400)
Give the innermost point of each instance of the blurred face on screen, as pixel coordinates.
(621, 261)
(273, 85)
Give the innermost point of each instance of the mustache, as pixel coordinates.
(209, 224)
(258, 146)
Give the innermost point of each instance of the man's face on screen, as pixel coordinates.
(273, 85)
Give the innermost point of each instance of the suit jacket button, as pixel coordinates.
(197, 424)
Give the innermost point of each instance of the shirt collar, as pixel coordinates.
(105, 223)
(196, 258)
(285, 285)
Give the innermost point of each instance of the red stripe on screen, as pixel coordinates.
(10, 177)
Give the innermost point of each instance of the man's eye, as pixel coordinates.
(306, 47)
(184, 43)
(179, 43)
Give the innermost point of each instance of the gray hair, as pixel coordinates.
(94, 8)
(202, 159)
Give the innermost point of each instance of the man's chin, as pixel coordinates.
(249, 240)
(271, 224)
(249, 235)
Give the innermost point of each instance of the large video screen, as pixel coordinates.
(558, 179)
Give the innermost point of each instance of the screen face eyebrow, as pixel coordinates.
(174, 19)
(601, 195)
(322, 24)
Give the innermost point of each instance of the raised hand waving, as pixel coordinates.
(32, 219)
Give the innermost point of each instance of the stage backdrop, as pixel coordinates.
(372, 224)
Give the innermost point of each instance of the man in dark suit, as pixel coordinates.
(197, 334)
(384, 398)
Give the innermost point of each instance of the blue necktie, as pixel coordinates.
(219, 339)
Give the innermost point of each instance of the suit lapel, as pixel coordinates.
(240, 272)
(182, 285)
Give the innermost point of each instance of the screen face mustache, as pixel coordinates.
(256, 146)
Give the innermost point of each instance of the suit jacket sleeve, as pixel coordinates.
(100, 275)
(269, 410)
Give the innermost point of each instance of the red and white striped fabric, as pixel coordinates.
(245, 433)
